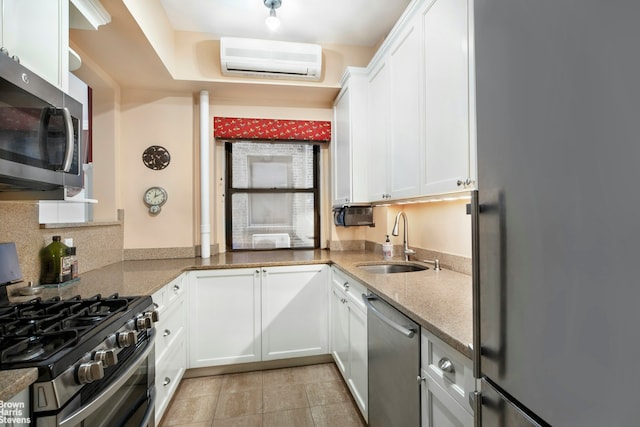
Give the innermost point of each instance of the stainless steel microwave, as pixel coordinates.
(40, 138)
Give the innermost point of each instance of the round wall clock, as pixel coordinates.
(154, 198)
(156, 157)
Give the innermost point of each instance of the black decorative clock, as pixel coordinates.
(156, 157)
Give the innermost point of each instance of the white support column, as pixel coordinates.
(205, 196)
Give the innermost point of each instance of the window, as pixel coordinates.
(272, 195)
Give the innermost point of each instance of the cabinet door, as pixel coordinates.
(340, 329)
(405, 143)
(224, 317)
(439, 409)
(446, 51)
(358, 356)
(37, 31)
(377, 153)
(295, 307)
(341, 149)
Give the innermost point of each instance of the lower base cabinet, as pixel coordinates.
(447, 380)
(170, 348)
(255, 314)
(349, 335)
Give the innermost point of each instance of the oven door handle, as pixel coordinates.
(78, 416)
(150, 412)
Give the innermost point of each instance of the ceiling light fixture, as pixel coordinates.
(272, 20)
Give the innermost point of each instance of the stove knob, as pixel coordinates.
(126, 339)
(155, 316)
(108, 357)
(143, 323)
(89, 372)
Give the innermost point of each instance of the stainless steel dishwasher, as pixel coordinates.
(394, 365)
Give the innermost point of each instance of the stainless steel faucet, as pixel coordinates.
(407, 251)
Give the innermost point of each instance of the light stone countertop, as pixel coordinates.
(440, 301)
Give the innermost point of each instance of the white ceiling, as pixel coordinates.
(347, 22)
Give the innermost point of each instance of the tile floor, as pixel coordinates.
(313, 396)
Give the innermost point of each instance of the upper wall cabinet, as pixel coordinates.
(394, 117)
(420, 138)
(37, 32)
(448, 149)
(405, 115)
(349, 145)
(377, 151)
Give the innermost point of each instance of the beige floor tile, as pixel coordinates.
(282, 377)
(319, 373)
(242, 382)
(202, 386)
(336, 415)
(284, 398)
(291, 418)
(326, 393)
(246, 421)
(190, 411)
(232, 405)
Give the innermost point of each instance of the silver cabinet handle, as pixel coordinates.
(155, 305)
(166, 333)
(346, 285)
(420, 379)
(166, 381)
(176, 288)
(446, 365)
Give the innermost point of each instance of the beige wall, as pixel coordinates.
(437, 226)
(166, 119)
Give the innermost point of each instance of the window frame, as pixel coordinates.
(230, 191)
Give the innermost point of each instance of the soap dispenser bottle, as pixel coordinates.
(387, 249)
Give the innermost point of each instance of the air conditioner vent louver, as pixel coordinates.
(268, 58)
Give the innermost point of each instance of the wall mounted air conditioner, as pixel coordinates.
(270, 58)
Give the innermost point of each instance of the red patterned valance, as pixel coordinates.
(271, 129)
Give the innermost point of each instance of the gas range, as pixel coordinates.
(84, 349)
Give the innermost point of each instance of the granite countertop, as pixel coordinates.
(440, 301)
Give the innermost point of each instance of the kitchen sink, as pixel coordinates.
(392, 267)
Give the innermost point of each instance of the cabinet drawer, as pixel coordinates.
(171, 326)
(352, 288)
(169, 371)
(448, 368)
(174, 290)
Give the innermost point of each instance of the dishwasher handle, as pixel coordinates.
(407, 332)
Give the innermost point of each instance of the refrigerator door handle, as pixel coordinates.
(475, 274)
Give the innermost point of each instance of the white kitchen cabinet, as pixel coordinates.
(224, 317)
(37, 32)
(447, 380)
(254, 314)
(348, 164)
(377, 151)
(448, 151)
(170, 344)
(349, 335)
(295, 310)
(405, 108)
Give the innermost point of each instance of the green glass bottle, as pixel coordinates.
(51, 261)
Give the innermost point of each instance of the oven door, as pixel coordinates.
(128, 401)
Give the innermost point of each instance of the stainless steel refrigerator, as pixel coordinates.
(557, 232)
